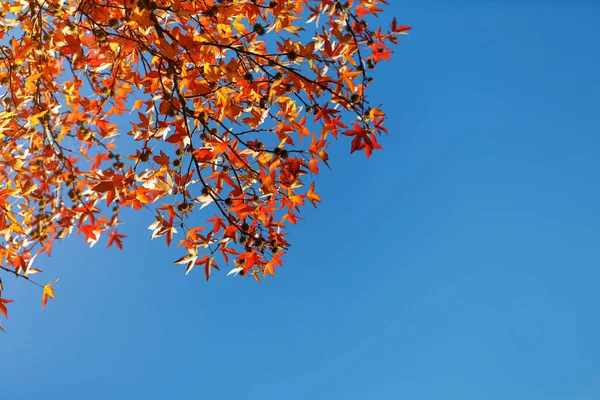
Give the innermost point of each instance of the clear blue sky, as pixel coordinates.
(462, 262)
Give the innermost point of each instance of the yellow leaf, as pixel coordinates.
(224, 29)
(11, 216)
(264, 158)
(137, 104)
(30, 83)
(35, 119)
(16, 228)
(48, 292)
(114, 46)
(241, 28)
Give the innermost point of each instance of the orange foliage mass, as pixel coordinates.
(230, 106)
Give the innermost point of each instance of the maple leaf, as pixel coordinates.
(115, 237)
(162, 160)
(3, 309)
(104, 186)
(270, 266)
(204, 154)
(208, 263)
(48, 292)
(401, 29)
(312, 196)
(363, 139)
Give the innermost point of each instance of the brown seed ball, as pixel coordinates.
(292, 55)
(258, 29)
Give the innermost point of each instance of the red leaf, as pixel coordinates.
(104, 186)
(115, 238)
(3, 309)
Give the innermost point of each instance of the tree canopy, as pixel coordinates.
(215, 114)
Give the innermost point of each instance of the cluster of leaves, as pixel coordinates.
(231, 103)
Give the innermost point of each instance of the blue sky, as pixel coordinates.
(461, 262)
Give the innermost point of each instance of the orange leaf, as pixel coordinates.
(312, 196)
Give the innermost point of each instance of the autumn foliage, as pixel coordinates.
(214, 114)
